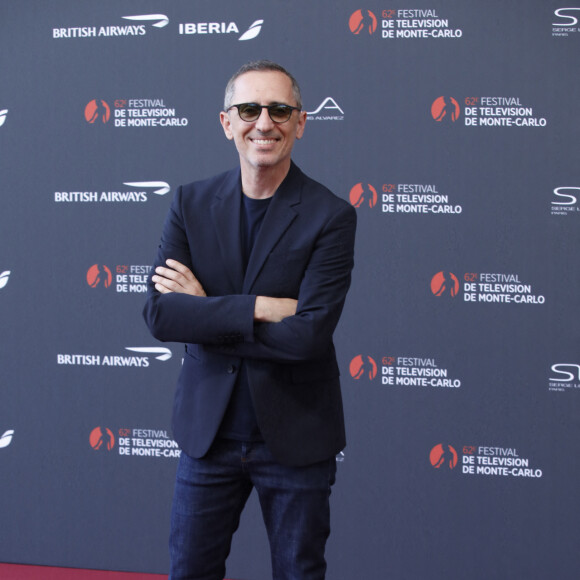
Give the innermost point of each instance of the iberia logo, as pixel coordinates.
(363, 366)
(102, 439)
(97, 275)
(97, 110)
(445, 283)
(363, 193)
(362, 21)
(443, 455)
(445, 109)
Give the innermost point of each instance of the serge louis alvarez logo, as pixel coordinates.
(328, 110)
(565, 201)
(564, 377)
(566, 21)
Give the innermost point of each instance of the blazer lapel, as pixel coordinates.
(278, 218)
(226, 212)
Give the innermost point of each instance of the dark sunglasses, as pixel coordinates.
(251, 112)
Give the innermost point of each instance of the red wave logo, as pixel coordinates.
(442, 455)
(362, 193)
(363, 365)
(443, 283)
(99, 275)
(362, 21)
(97, 109)
(102, 439)
(445, 109)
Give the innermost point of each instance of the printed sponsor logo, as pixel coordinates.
(496, 288)
(409, 23)
(98, 360)
(134, 112)
(141, 193)
(564, 377)
(151, 443)
(565, 201)
(220, 28)
(484, 460)
(129, 279)
(414, 371)
(6, 438)
(363, 366)
(4, 277)
(486, 112)
(566, 21)
(3, 115)
(328, 110)
(404, 198)
(137, 25)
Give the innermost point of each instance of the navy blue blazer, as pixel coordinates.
(304, 250)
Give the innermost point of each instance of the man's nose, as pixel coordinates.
(263, 122)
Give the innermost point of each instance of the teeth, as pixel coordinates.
(264, 141)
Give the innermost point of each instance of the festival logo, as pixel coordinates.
(97, 110)
(443, 456)
(416, 371)
(363, 366)
(484, 460)
(500, 112)
(445, 284)
(4, 277)
(362, 22)
(363, 194)
(405, 23)
(129, 279)
(445, 109)
(102, 439)
(6, 438)
(404, 198)
(99, 276)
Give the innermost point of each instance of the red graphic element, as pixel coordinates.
(445, 109)
(444, 282)
(363, 365)
(362, 20)
(388, 360)
(469, 449)
(102, 439)
(122, 269)
(443, 455)
(359, 194)
(124, 432)
(97, 109)
(99, 275)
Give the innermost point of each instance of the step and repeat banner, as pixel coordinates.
(453, 127)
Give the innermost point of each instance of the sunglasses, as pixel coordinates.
(250, 112)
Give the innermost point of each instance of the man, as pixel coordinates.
(251, 274)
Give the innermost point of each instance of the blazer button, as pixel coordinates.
(231, 369)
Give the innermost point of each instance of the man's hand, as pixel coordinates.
(269, 309)
(176, 278)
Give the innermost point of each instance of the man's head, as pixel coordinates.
(261, 66)
(265, 138)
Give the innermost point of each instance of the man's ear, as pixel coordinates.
(301, 123)
(225, 121)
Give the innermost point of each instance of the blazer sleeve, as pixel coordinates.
(308, 334)
(178, 317)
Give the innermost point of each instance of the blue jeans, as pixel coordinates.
(211, 492)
